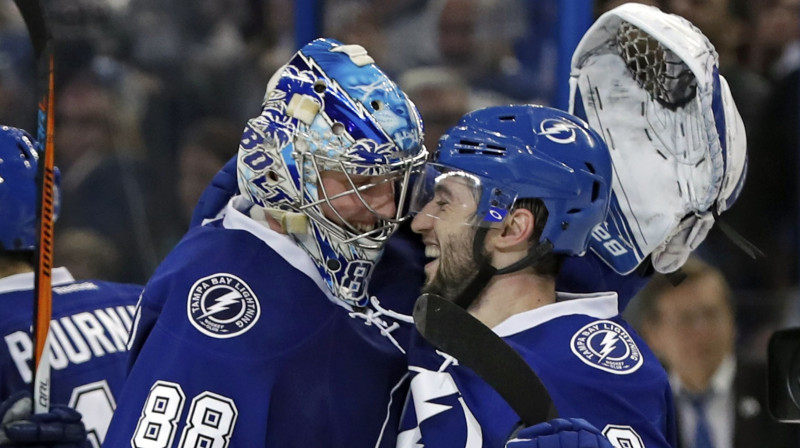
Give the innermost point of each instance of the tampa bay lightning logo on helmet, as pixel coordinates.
(331, 109)
(222, 306)
(18, 189)
(607, 346)
(558, 130)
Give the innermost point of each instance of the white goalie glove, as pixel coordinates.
(648, 82)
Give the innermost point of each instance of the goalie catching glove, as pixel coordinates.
(649, 82)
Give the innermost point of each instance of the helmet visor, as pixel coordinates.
(440, 191)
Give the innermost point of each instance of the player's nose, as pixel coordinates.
(423, 221)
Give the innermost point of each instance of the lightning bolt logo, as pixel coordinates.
(222, 303)
(557, 131)
(426, 387)
(222, 306)
(608, 343)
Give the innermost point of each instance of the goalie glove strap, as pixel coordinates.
(741, 242)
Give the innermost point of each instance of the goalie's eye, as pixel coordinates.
(376, 105)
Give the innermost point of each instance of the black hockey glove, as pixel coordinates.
(60, 428)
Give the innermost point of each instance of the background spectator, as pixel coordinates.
(720, 397)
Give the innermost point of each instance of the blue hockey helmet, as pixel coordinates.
(330, 108)
(509, 153)
(18, 190)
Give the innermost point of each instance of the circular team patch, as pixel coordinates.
(606, 345)
(222, 306)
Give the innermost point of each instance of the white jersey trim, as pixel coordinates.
(280, 243)
(24, 281)
(600, 305)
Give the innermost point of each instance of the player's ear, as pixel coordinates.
(517, 229)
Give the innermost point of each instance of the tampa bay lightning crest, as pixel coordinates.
(222, 306)
(606, 345)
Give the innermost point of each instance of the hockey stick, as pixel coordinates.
(453, 330)
(36, 21)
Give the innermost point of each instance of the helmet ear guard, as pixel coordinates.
(649, 83)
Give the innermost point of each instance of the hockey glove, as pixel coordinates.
(560, 433)
(59, 428)
(649, 82)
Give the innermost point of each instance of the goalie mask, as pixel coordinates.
(331, 109)
(18, 190)
(649, 83)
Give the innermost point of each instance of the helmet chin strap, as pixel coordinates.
(486, 271)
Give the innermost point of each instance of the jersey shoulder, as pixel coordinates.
(592, 349)
(229, 288)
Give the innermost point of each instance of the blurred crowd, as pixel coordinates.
(151, 98)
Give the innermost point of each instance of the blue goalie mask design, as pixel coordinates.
(332, 110)
(18, 190)
(507, 153)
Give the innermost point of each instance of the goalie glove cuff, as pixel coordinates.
(670, 255)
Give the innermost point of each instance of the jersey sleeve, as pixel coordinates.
(181, 392)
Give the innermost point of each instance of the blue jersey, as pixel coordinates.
(90, 325)
(593, 365)
(239, 343)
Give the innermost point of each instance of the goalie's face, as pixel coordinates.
(357, 201)
(446, 223)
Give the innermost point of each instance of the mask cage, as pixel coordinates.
(399, 172)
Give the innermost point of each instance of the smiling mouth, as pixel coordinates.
(432, 251)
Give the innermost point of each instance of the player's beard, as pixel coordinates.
(457, 267)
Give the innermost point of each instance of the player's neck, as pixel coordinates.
(511, 294)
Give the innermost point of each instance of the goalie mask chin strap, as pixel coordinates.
(486, 271)
(290, 222)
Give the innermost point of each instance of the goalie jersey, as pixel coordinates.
(238, 343)
(593, 365)
(88, 331)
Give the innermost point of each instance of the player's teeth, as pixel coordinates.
(363, 228)
(432, 251)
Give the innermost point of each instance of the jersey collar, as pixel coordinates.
(24, 281)
(600, 305)
(236, 218)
